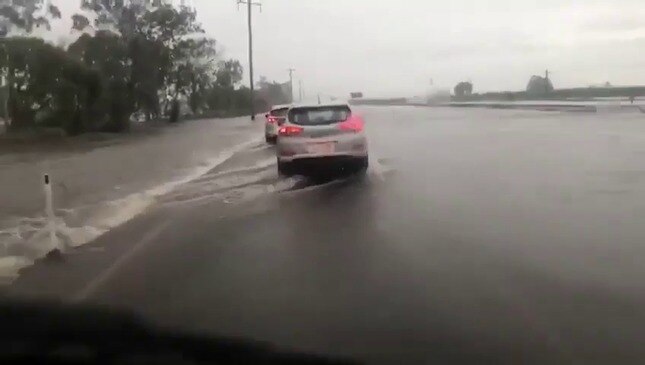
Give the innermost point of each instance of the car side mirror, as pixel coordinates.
(266, 115)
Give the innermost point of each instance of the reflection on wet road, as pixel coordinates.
(484, 236)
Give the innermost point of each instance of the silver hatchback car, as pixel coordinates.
(325, 134)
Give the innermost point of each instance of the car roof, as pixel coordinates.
(282, 106)
(322, 105)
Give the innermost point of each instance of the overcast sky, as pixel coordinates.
(391, 47)
(387, 47)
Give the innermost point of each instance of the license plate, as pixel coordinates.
(321, 148)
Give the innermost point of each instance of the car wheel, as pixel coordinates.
(270, 139)
(285, 169)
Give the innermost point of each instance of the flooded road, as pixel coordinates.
(486, 236)
(99, 185)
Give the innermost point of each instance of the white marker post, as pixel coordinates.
(49, 211)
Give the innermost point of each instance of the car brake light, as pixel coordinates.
(353, 124)
(290, 130)
(272, 120)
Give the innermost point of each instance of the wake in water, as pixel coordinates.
(25, 239)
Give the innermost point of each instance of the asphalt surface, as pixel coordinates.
(477, 236)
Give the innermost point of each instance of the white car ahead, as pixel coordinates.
(274, 119)
(321, 134)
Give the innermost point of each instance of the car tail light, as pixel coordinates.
(290, 130)
(272, 120)
(353, 124)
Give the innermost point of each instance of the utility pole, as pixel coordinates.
(300, 90)
(291, 70)
(250, 4)
(8, 80)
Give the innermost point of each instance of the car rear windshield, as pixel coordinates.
(279, 112)
(319, 115)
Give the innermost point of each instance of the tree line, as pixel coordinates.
(134, 60)
(541, 88)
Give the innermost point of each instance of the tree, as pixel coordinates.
(108, 54)
(195, 70)
(160, 39)
(222, 93)
(463, 89)
(174, 28)
(20, 17)
(229, 73)
(539, 86)
(149, 59)
(150, 66)
(141, 56)
(47, 82)
(274, 92)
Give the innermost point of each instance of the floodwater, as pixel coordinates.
(488, 236)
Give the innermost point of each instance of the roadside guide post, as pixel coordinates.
(49, 211)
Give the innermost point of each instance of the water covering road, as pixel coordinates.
(98, 185)
(487, 236)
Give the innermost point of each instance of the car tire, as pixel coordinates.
(271, 139)
(285, 169)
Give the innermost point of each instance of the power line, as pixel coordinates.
(250, 4)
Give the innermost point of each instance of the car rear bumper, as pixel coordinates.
(326, 165)
(322, 159)
(292, 148)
